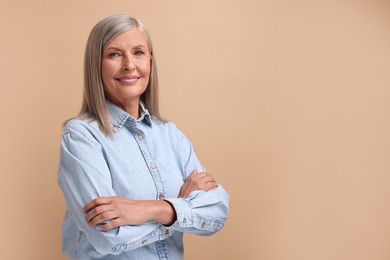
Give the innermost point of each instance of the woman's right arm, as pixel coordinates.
(83, 175)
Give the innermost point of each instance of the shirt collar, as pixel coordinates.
(119, 117)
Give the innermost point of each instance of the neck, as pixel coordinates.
(130, 106)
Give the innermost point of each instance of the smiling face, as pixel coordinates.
(126, 64)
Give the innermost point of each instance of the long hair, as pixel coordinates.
(94, 105)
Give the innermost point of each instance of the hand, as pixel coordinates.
(120, 211)
(197, 181)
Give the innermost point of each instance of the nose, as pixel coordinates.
(128, 64)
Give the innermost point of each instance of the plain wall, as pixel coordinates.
(286, 103)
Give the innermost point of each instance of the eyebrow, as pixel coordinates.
(139, 46)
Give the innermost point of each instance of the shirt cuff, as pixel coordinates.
(183, 212)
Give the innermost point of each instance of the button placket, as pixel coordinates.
(141, 139)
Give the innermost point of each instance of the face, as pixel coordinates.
(126, 63)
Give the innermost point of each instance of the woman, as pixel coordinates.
(131, 181)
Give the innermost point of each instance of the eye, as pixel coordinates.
(139, 53)
(114, 55)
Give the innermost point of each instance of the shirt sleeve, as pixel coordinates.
(84, 175)
(201, 213)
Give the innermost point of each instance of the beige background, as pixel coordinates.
(286, 102)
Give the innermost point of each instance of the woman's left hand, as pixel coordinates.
(120, 211)
(197, 181)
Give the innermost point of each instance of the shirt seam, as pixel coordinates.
(73, 134)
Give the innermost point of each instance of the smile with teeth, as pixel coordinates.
(128, 79)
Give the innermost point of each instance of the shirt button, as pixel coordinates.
(140, 137)
(152, 165)
(161, 196)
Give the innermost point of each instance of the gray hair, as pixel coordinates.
(94, 105)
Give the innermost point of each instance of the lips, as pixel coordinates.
(127, 79)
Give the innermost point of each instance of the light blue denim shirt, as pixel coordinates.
(145, 159)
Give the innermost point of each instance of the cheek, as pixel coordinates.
(104, 71)
(146, 68)
(108, 69)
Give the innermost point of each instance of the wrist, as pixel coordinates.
(163, 212)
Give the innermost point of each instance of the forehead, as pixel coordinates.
(131, 38)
